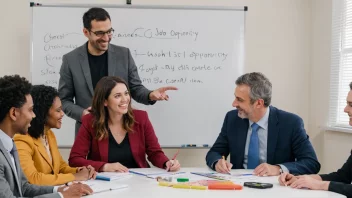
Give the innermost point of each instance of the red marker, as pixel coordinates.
(176, 154)
(175, 157)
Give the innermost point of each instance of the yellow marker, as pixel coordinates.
(189, 187)
(182, 186)
(199, 187)
(165, 184)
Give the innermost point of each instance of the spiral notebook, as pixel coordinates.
(153, 172)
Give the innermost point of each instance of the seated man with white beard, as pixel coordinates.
(261, 137)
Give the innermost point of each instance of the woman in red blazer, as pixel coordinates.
(113, 137)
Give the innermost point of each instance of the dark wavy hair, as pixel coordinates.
(101, 93)
(43, 98)
(13, 91)
(98, 14)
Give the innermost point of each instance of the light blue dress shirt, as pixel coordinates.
(8, 144)
(263, 140)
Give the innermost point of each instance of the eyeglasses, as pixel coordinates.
(102, 33)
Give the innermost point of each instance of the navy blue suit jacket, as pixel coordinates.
(288, 143)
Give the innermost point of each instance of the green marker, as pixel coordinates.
(182, 179)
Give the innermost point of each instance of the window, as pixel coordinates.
(341, 61)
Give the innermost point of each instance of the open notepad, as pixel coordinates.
(153, 172)
(112, 176)
(102, 186)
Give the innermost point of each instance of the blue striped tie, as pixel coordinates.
(253, 150)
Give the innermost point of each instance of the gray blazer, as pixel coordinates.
(76, 80)
(11, 186)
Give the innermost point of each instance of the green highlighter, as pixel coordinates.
(182, 179)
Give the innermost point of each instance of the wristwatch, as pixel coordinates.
(281, 171)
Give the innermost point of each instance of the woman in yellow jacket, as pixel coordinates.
(39, 155)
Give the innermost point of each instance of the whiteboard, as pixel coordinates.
(197, 49)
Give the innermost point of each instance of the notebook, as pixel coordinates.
(112, 176)
(153, 172)
(102, 186)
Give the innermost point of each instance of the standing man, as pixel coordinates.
(83, 67)
(261, 137)
(16, 113)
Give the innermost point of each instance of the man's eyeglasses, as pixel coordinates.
(102, 33)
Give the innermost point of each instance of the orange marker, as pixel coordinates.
(224, 186)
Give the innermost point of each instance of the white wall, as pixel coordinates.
(288, 40)
(14, 37)
(334, 147)
(320, 74)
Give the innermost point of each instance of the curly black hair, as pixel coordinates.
(13, 91)
(43, 98)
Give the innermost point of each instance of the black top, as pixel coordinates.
(340, 181)
(121, 152)
(98, 66)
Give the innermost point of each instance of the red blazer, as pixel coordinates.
(87, 150)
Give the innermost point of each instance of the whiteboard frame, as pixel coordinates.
(171, 7)
(175, 7)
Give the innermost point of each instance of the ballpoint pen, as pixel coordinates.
(228, 171)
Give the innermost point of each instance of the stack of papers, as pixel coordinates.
(101, 186)
(153, 172)
(112, 176)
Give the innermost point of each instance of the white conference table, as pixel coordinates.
(143, 187)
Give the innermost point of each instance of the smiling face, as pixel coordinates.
(119, 99)
(55, 114)
(23, 116)
(348, 108)
(242, 102)
(98, 36)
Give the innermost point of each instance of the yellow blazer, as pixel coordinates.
(36, 163)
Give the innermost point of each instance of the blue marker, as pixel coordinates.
(239, 175)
